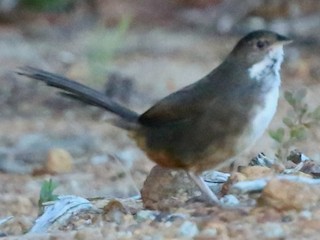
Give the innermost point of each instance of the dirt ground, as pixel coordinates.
(155, 60)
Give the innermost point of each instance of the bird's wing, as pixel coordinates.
(184, 104)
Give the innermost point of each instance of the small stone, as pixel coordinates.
(287, 195)
(166, 188)
(272, 231)
(296, 156)
(99, 159)
(114, 211)
(59, 161)
(188, 229)
(215, 176)
(306, 214)
(218, 229)
(256, 172)
(289, 165)
(144, 215)
(229, 200)
(311, 167)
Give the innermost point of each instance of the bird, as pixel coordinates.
(206, 124)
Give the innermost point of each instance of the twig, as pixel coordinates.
(61, 211)
(6, 219)
(259, 184)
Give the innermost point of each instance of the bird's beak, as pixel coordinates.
(285, 42)
(281, 42)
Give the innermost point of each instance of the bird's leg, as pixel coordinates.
(204, 188)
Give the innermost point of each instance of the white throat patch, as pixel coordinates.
(269, 65)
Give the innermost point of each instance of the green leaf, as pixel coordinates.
(46, 192)
(277, 135)
(298, 133)
(288, 96)
(302, 110)
(288, 122)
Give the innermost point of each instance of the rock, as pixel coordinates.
(144, 215)
(255, 172)
(114, 211)
(167, 188)
(59, 161)
(306, 214)
(289, 165)
(271, 230)
(215, 176)
(229, 200)
(214, 230)
(288, 195)
(188, 229)
(311, 167)
(297, 157)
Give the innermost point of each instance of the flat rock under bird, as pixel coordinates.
(204, 125)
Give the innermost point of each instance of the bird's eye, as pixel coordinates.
(261, 44)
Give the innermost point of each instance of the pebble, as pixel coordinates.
(256, 172)
(188, 229)
(144, 215)
(59, 161)
(229, 200)
(288, 195)
(273, 231)
(167, 188)
(306, 214)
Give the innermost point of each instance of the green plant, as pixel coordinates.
(299, 121)
(46, 194)
(102, 47)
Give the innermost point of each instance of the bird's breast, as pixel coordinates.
(261, 116)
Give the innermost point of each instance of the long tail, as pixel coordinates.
(80, 92)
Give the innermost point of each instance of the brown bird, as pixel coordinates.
(204, 125)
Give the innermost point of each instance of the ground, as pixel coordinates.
(155, 60)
